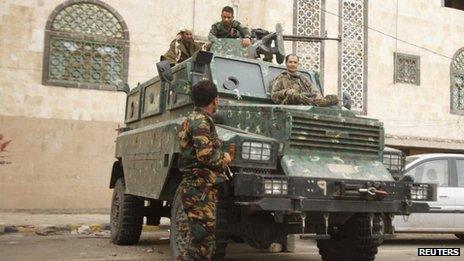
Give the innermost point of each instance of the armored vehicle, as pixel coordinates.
(312, 171)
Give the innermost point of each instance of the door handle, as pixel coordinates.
(444, 197)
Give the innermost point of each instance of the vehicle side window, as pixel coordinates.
(151, 101)
(132, 107)
(435, 171)
(460, 169)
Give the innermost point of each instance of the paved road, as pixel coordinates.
(155, 246)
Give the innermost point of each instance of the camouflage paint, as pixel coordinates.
(305, 140)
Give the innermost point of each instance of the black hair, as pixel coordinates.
(228, 9)
(292, 54)
(203, 93)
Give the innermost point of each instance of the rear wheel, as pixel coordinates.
(353, 241)
(126, 216)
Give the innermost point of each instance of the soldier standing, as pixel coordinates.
(181, 48)
(229, 28)
(292, 88)
(203, 164)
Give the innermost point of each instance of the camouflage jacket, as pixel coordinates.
(219, 30)
(293, 89)
(200, 146)
(179, 52)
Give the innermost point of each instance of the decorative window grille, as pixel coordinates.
(457, 83)
(309, 21)
(407, 68)
(353, 64)
(86, 46)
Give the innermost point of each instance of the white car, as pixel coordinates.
(447, 213)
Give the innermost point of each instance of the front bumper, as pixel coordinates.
(305, 194)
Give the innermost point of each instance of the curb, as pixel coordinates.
(79, 229)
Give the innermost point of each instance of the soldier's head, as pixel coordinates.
(227, 15)
(205, 95)
(292, 61)
(186, 35)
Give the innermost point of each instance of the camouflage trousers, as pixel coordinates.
(199, 203)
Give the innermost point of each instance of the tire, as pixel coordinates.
(179, 236)
(386, 227)
(126, 216)
(460, 236)
(353, 241)
(259, 230)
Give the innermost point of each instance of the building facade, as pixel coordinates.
(63, 62)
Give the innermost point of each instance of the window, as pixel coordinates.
(435, 171)
(457, 83)
(353, 52)
(152, 99)
(456, 4)
(180, 90)
(132, 106)
(309, 21)
(460, 169)
(86, 46)
(407, 68)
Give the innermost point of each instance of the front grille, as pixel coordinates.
(334, 135)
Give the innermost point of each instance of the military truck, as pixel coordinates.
(312, 171)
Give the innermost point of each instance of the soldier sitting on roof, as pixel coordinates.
(181, 48)
(229, 28)
(292, 88)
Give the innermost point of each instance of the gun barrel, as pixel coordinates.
(300, 38)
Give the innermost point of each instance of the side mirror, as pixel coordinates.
(164, 71)
(407, 178)
(347, 101)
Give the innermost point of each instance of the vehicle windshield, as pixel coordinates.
(249, 77)
(410, 159)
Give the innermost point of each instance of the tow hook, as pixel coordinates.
(373, 192)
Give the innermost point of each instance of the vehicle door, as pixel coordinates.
(441, 216)
(459, 216)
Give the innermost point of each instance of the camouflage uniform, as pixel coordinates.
(219, 30)
(202, 163)
(296, 89)
(180, 51)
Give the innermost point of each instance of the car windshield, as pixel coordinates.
(410, 159)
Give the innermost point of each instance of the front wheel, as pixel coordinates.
(126, 216)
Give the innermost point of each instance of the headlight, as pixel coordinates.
(275, 186)
(393, 162)
(420, 192)
(256, 151)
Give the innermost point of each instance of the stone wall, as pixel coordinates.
(415, 110)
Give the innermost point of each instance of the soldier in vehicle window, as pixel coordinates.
(292, 88)
(202, 164)
(181, 48)
(229, 28)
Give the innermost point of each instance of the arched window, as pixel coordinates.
(457, 83)
(86, 46)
